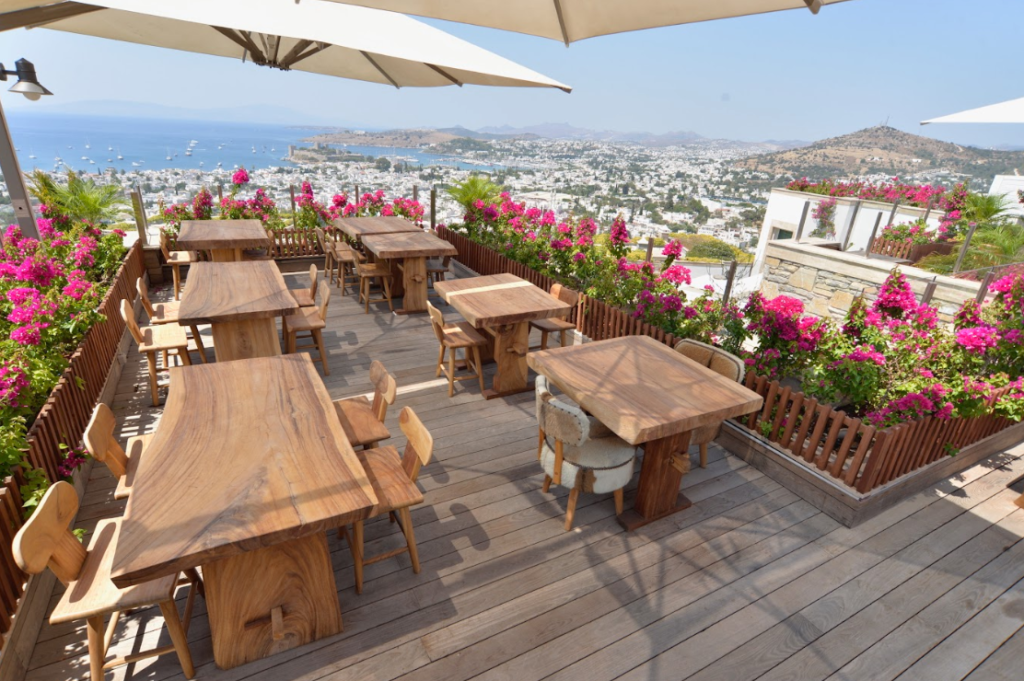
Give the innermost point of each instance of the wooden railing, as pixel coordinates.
(294, 243)
(828, 439)
(12, 579)
(894, 249)
(852, 452)
(63, 418)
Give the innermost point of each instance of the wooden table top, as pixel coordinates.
(642, 389)
(234, 291)
(248, 454)
(357, 228)
(499, 299)
(204, 235)
(418, 244)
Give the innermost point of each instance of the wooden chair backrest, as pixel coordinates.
(100, 441)
(128, 314)
(436, 321)
(45, 540)
(312, 281)
(716, 359)
(420, 443)
(140, 286)
(320, 238)
(325, 298)
(163, 245)
(566, 295)
(385, 389)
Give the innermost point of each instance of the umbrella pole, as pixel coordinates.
(11, 170)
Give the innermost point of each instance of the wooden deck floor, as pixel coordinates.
(750, 583)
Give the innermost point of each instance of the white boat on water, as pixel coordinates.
(136, 164)
(168, 158)
(85, 158)
(188, 152)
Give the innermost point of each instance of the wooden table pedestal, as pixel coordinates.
(270, 600)
(507, 345)
(666, 461)
(245, 339)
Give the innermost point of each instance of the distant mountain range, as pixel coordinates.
(883, 149)
(268, 114)
(571, 132)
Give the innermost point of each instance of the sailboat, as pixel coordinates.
(168, 155)
(110, 148)
(32, 155)
(119, 156)
(87, 144)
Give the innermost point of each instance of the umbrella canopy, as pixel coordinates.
(572, 20)
(1004, 112)
(314, 36)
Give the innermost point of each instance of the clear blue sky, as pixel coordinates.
(789, 75)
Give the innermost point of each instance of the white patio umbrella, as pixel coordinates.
(1004, 112)
(572, 20)
(314, 36)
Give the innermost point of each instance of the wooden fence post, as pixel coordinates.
(871, 239)
(929, 291)
(803, 220)
(963, 250)
(291, 190)
(853, 222)
(730, 278)
(220, 192)
(433, 208)
(985, 283)
(141, 224)
(415, 193)
(650, 248)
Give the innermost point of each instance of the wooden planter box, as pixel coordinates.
(920, 251)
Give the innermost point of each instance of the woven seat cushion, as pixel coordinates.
(605, 464)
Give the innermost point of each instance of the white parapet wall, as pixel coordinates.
(853, 225)
(828, 281)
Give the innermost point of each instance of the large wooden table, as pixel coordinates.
(225, 239)
(357, 228)
(246, 472)
(503, 305)
(242, 301)
(645, 392)
(411, 250)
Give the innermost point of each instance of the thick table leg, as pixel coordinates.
(226, 254)
(246, 339)
(270, 600)
(414, 286)
(511, 343)
(665, 462)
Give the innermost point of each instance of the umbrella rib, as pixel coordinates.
(38, 16)
(561, 21)
(445, 74)
(244, 42)
(293, 53)
(319, 47)
(377, 66)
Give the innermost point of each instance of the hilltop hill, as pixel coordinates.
(885, 150)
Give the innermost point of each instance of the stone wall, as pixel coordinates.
(828, 281)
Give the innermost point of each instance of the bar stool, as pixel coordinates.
(103, 446)
(167, 313)
(166, 338)
(363, 420)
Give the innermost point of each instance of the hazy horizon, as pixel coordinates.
(783, 76)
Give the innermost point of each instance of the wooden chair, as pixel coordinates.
(452, 337)
(306, 297)
(437, 269)
(721, 362)
(368, 272)
(167, 313)
(394, 482)
(176, 259)
(103, 446)
(363, 420)
(348, 259)
(309, 321)
(575, 455)
(556, 324)
(331, 262)
(165, 338)
(46, 541)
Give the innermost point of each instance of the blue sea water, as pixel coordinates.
(58, 140)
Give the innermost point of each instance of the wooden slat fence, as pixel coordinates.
(294, 243)
(852, 452)
(824, 438)
(12, 579)
(894, 249)
(63, 418)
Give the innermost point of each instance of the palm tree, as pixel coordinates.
(79, 199)
(985, 208)
(475, 188)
